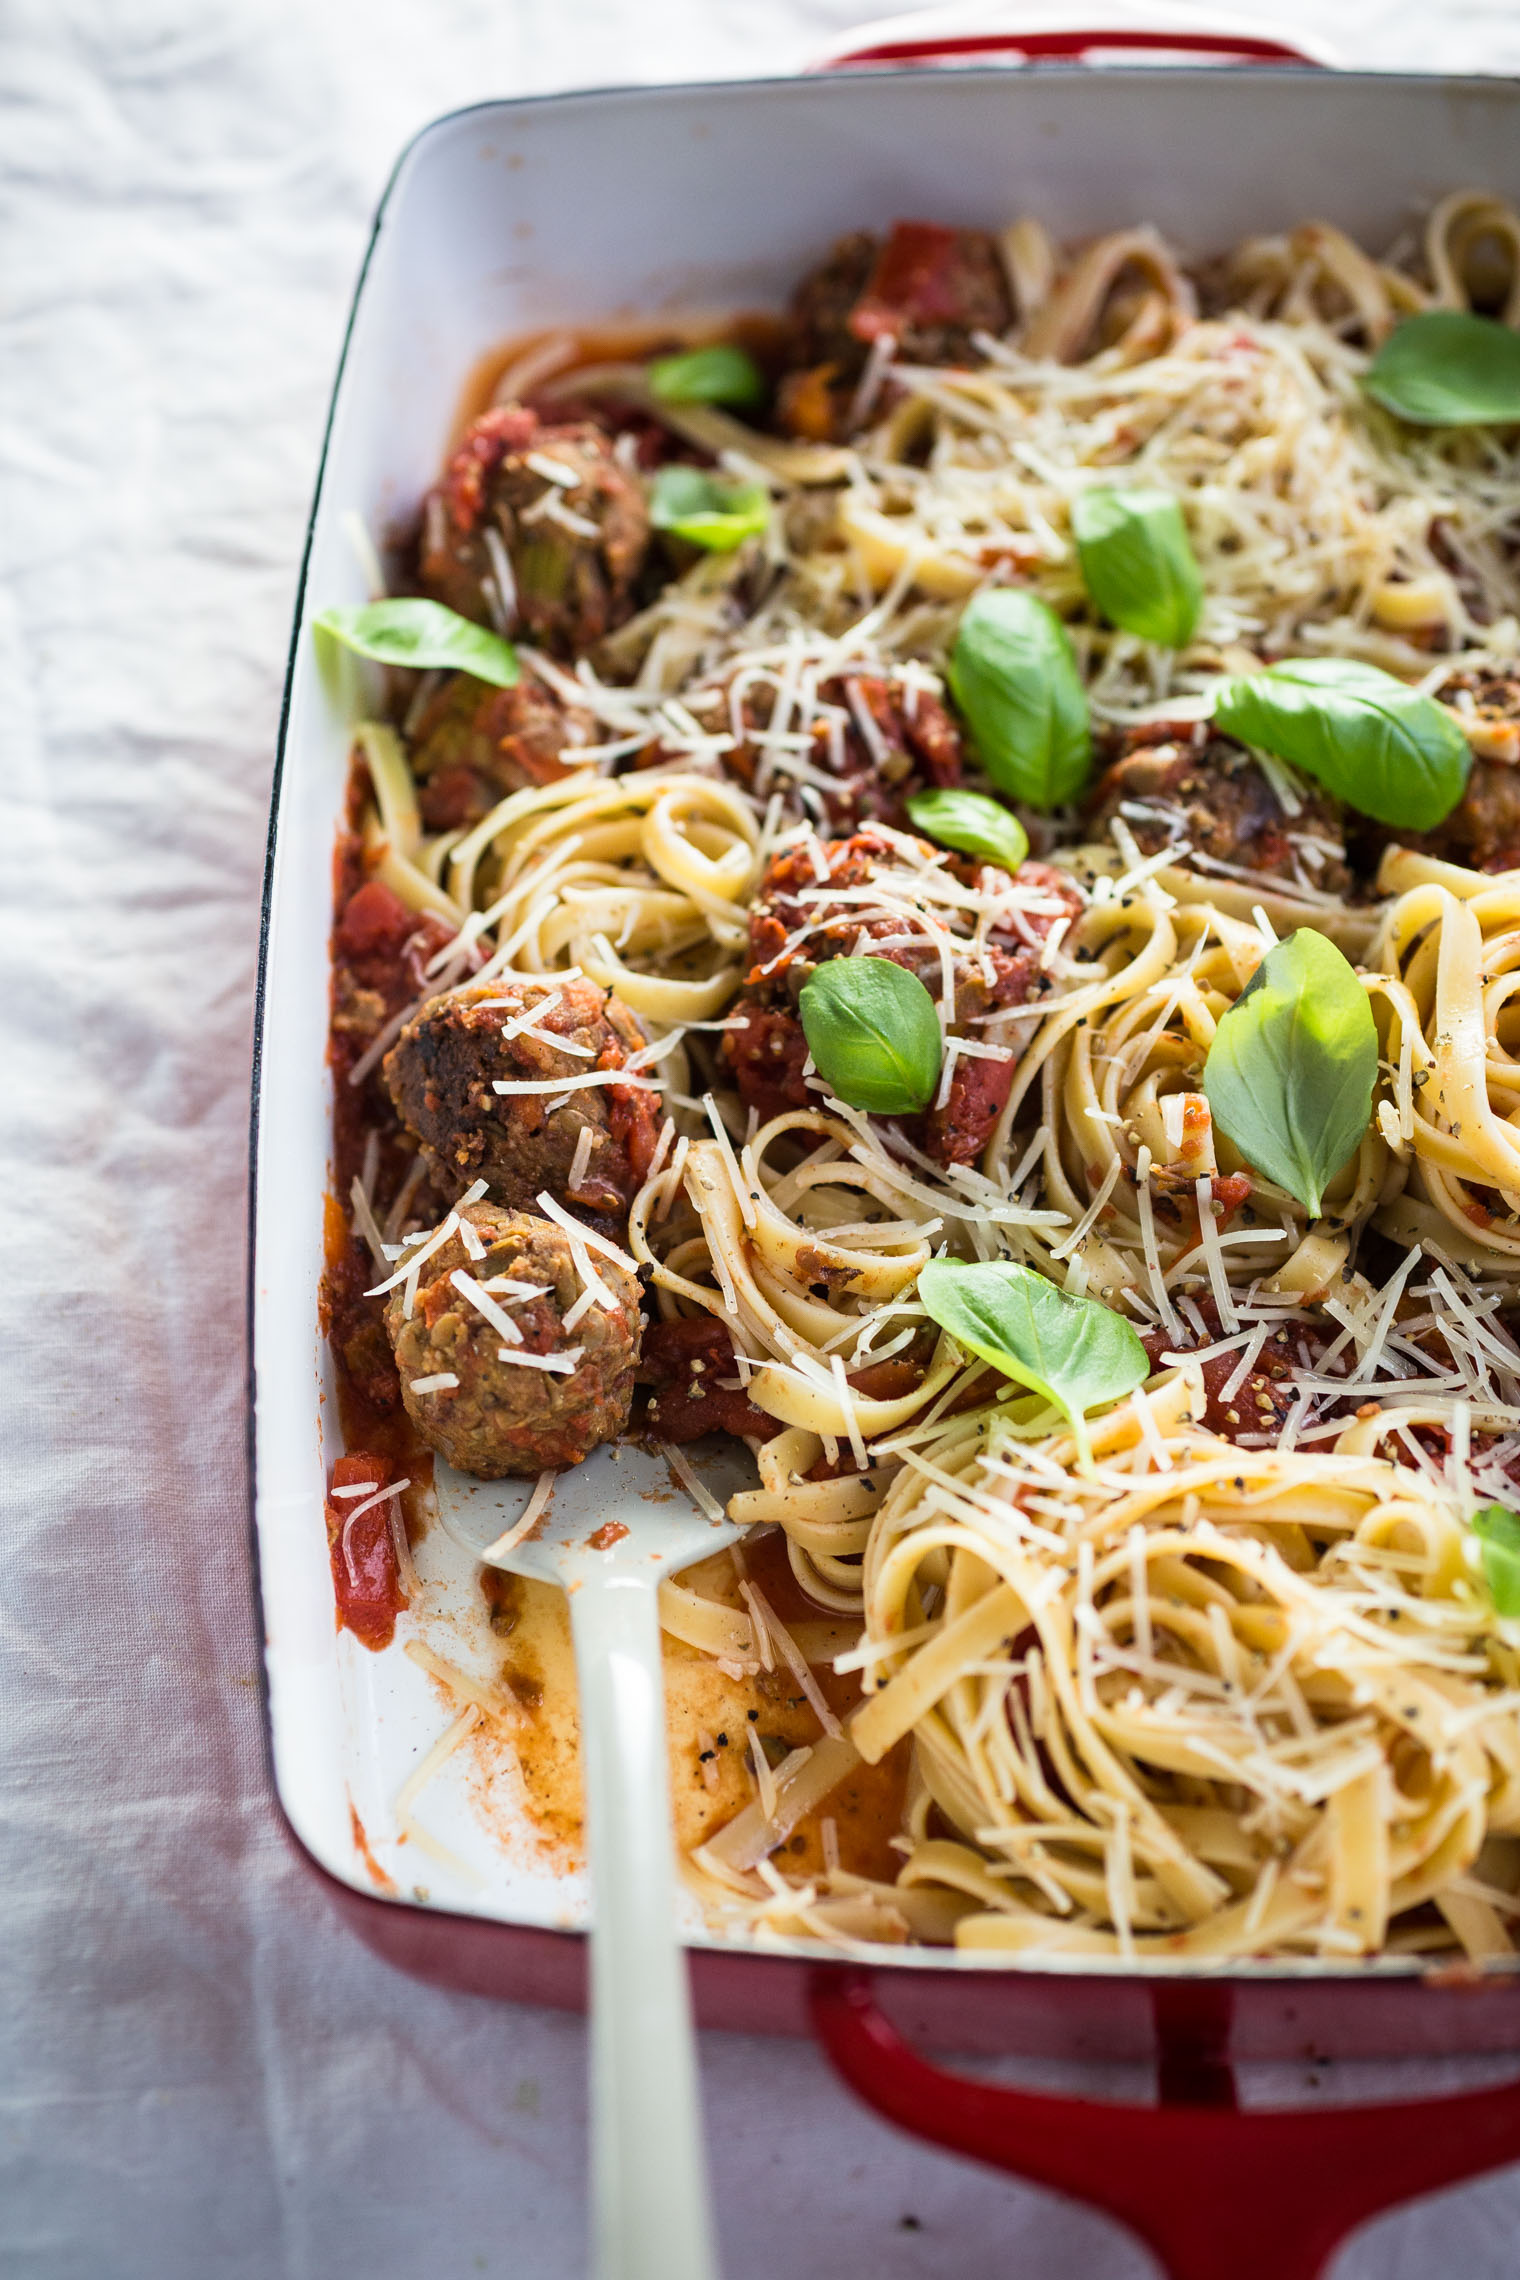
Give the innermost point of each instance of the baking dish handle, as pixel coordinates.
(1036, 35)
(1209, 2188)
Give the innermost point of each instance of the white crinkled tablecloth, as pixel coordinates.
(201, 2071)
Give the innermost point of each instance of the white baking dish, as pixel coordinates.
(635, 205)
(630, 205)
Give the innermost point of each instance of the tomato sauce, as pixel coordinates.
(365, 1566)
(379, 955)
(866, 1808)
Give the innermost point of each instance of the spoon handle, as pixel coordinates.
(651, 2216)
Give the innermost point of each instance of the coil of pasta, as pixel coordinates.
(1125, 1155)
(805, 1266)
(641, 881)
(1204, 1702)
(1450, 945)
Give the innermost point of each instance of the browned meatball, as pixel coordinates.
(1214, 796)
(927, 288)
(473, 744)
(769, 1052)
(1487, 706)
(574, 545)
(443, 1068)
(876, 739)
(823, 302)
(1483, 829)
(503, 1415)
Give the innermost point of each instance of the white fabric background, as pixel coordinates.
(200, 2071)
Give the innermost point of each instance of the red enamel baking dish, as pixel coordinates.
(636, 204)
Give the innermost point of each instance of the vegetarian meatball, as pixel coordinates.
(444, 1067)
(1482, 830)
(824, 301)
(927, 288)
(472, 745)
(1182, 784)
(1487, 706)
(875, 739)
(545, 1395)
(552, 507)
(795, 925)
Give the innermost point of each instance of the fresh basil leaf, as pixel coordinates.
(1448, 368)
(1499, 1533)
(1072, 1351)
(424, 636)
(718, 374)
(874, 1034)
(710, 510)
(1383, 748)
(1290, 1073)
(1138, 563)
(1014, 677)
(970, 823)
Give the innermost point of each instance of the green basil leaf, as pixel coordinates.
(1383, 748)
(1290, 1073)
(1014, 677)
(1499, 1533)
(718, 374)
(873, 1033)
(1138, 563)
(710, 510)
(970, 823)
(424, 636)
(1072, 1351)
(1448, 368)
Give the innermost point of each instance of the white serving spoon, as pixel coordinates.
(651, 2214)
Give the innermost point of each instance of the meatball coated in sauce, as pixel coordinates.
(928, 289)
(443, 1067)
(769, 1053)
(824, 302)
(876, 740)
(575, 540)
(503, 1416)
(1483, 830)
(472, 745)
(1487, 706)
(792, 896)
(1191, 787)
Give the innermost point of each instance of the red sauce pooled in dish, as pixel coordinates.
(380, 951)
(366, 1571)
